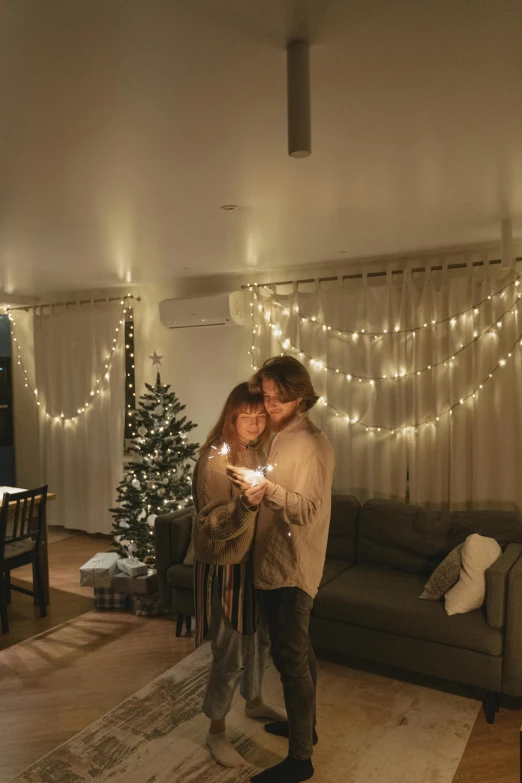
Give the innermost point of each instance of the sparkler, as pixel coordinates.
(225, 449)
(254, 476)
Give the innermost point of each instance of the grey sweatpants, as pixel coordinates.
(236, 658)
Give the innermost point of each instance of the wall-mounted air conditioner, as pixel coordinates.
(204, 312)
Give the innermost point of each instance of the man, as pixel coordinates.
(290, 550)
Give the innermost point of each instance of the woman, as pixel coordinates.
(225, 597)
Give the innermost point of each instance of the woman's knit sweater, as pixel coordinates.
(224, 526)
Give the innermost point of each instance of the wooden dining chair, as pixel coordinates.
(22, 520)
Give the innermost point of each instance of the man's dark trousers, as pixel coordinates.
(287, 611)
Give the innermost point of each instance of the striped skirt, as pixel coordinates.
(235, 584)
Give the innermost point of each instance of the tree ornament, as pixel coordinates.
(136, 484)
(151, 519)
(156, 359)
(159, 410)
(142, 431)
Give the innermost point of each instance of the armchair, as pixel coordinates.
(172, 534)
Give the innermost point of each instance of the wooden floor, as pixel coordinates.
(492, 752)
(60, 673)
(81, 664)
(67, 598)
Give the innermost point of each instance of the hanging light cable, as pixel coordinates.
(96, 387)
(473, 394)
(401, 428)
(286, 344)
(397, 329)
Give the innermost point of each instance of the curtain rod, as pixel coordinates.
(382, 273)
(76, 302)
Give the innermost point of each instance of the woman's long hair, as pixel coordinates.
(240, 400)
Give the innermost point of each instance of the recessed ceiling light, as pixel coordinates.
(229, 207)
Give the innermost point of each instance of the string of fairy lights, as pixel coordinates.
(360, 332)
(286, 345)
(97, 386)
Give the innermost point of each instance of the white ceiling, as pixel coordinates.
(125, 124)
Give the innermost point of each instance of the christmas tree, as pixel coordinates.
(159, 478)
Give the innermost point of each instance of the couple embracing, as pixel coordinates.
(259, 556)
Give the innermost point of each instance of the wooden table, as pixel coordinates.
(44, 546)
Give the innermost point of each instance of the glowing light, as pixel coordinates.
(223, 451)
(254, 477)
(451, 360)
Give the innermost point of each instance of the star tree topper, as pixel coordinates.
(156, 360)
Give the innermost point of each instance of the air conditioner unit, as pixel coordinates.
(204, 312)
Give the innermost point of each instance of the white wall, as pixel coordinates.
(202, 366)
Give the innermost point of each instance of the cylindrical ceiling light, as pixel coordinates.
(298, 85)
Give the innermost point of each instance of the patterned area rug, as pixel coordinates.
(371, 729)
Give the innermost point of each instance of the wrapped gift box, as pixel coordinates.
(148, 606)
(108, 598)
(136, 585)
(100, 570)
(132, 567)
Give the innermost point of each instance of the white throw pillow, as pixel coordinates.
(478, 554)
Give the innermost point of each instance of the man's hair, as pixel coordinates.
(290, 378)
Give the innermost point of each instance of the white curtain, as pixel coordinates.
(368, 464)
(473, 457)
(470, 458)
(81, 460)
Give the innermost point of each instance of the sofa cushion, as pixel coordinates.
(181, 576)
(333, 568)
(445, 576)
(387, 600)
(504, 526)
(399, 536)
(478, 554)
(342, 537)
(409, 538)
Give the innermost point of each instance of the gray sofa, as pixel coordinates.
(379, 557)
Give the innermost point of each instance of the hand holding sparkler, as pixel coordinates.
(254, 495)
(252, 483)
